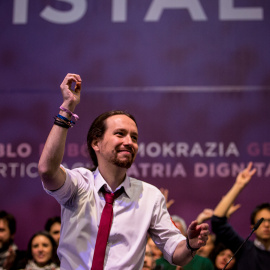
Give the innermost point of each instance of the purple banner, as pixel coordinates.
(194, 74)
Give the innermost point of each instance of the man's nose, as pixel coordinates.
(128, 139)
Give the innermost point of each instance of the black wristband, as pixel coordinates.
(61, 124)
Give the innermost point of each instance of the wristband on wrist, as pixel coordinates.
(61, 124)
(192, 250)
(65, 119)
(69, 112)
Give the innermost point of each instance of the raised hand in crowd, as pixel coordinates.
(207, 213)
(226, 202)
(165, 193)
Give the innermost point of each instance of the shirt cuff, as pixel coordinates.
(171, 245)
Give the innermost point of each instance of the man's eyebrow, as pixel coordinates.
(135, 133)
(120, 129)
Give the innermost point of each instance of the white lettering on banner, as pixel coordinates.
(23, 150)
(158, 6)
(228, 12)
(21, 170)
(172, 154)
(18, 170)
(166, 149)
(79, 8)
(226, 169)
(201, 170)
(157, 170)
(119, 12)
(50, 14)
(182, 149)
(20, 11)
(213, 170)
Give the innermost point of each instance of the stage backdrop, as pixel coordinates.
(196, 75)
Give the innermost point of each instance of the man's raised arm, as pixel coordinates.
(49, 168)
(227, 201)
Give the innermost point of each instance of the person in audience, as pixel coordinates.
(198, 262)
(157, 253)
(221, 257)
(252, 255)
(207, 249)
(41, 253)
(149, 261)
(53, 226)
(10, 255)
(205, 215)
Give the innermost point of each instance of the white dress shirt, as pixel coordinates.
(141, 209)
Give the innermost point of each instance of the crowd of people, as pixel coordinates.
(41, 253)
(225, 248)
(220, 247)
(109, 222)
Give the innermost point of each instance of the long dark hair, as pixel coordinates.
(54, 257)
(219, 247)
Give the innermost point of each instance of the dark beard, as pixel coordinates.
(122, 164)
(5, 245)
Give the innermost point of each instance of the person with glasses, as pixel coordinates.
(253, 254)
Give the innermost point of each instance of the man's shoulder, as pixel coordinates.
(83, 172)
(139, 188)
(136, 182)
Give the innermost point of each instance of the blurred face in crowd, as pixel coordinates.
(55, 232)
(155, 250)
(5, 236)
(206, 250)
(149, 261)
(223, 257)
(263, 232)
(41, 250)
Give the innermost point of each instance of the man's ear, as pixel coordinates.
(95, 144)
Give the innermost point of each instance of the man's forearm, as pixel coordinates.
(226, 202)
(51, 158)
(182, 255)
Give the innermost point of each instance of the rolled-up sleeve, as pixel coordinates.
(163, 232)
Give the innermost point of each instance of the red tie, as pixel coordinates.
(104, 228)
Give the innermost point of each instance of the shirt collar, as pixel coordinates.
(260, 245)
(100, 182)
